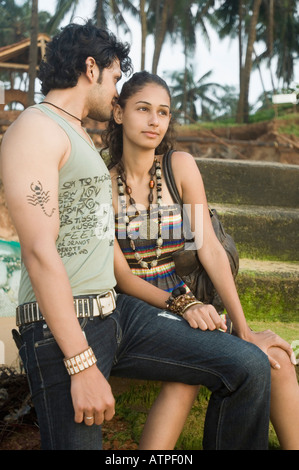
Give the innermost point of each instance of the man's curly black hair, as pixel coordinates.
(67, 52)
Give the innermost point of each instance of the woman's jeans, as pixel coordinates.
(140, 341)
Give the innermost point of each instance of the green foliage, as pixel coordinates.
(15, 20)
(188, 92)
(262, 115)
(290, 128)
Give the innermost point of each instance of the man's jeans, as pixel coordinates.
(140, 341)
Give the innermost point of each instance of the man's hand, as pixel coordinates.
(92, 397)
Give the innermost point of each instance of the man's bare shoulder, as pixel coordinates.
(34, 131)
(32, 121)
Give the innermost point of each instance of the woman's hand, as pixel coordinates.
(266, 340)
(204, 317)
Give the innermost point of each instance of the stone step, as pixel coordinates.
(269, 290)
(274, 268)
(262, 232)
(250, 182)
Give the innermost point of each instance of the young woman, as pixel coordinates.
(148, 232)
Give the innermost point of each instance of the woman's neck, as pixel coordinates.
(137, 164)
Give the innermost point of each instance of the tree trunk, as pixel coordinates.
(143, 32)
(99, 12)
(161, 27)
(270, 40)
(185, 82)
(240, 40)
(243, 107)
(33, 51)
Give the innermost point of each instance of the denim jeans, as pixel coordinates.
(140, 341)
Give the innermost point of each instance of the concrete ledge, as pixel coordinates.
(269, 290)
(268, 299)
(250, 182)
(284, 270)
(262, 232)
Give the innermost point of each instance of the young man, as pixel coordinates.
(56, 172)
(59, 194)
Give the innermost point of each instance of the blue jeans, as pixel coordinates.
(140, 341)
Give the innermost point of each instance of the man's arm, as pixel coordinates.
(33, 151)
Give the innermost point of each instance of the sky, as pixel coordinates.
(222, 57)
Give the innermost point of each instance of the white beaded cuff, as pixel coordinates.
(80, 362)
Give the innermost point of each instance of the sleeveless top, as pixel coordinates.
(86, 233)
(163, 275)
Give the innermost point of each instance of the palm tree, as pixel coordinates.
(191, 16)
(197, 92)
(285, 44)
(159, 12)
(63, 7)
(14, 21)
(104, 10)
(143, 23)
(241, 17)
(113, 10)
(179, 19)
(279, 28)
(243, 106)
(15, 25)
(230, 15)
(226, 106)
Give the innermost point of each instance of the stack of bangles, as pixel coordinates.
(179, 301)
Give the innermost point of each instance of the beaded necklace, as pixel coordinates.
(148, 228)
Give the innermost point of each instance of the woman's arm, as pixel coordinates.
(213, 256)
(203, 316)
(133, 285)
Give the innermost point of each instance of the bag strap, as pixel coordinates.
(169, 178)
(173, 190)
(170, 181)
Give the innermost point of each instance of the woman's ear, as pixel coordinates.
(118, 114)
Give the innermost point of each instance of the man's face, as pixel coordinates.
(104, 93)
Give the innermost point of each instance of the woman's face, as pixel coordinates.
(145, 117)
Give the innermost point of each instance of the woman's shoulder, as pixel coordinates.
(181, 160)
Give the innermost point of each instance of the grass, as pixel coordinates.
(133, 405)
(290, 128)
(288, 331)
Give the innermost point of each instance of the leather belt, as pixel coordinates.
(99, 305)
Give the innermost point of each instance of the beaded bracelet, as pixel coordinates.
(80, 362)
(197, 302)
(179, 301)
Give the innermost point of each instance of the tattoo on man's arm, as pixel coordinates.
(39, 197)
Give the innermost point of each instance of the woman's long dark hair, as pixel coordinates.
(112, 137)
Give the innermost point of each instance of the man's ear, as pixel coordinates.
(90, 67)
(118, 114)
